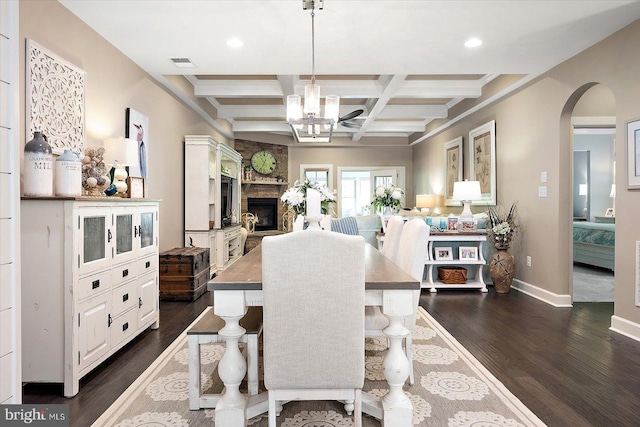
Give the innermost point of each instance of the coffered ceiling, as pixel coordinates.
(403, 62)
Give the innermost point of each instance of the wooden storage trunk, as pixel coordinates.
(183, 288)
(184, 261)
(184, 273)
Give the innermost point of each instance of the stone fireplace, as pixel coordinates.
(265, 211)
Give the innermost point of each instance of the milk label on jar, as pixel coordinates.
(38, 167)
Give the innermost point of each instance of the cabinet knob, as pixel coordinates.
(109, 321)
(139, 302)
(125, 297)
(109, 236)
(125, 326)
(95, 284)
(125, 272)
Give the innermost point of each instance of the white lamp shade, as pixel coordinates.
(122, 150)
(312, 99)
(332, 108)
(294, 109)
(467, 190)
(425, 201)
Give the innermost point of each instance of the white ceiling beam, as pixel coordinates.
(238, 88)
(391, 86)
(437, 111)
(261, 126)
(440, 89)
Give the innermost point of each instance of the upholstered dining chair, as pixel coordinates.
(392, 237)
(308, 354)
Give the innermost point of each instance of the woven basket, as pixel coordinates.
(452, 275)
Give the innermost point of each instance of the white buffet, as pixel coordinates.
(89, 283)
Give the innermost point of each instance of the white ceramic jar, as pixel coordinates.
(68, 175)
(37, 178)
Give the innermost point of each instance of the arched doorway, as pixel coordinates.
(590, 137)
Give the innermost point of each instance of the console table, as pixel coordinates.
(444, 239)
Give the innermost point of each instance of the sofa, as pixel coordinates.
(594, 244)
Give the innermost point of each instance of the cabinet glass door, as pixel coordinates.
(147, 229)
(94, 240)
(123, 221)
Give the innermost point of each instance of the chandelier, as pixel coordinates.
(311, 126)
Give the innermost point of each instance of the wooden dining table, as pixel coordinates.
(240, 286)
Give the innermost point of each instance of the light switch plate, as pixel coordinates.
(542, 191)
(543, 176)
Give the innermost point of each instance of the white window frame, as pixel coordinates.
(401, 170)
(315, 167)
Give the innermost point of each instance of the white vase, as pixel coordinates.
(387, 210)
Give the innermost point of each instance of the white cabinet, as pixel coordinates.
(212, 187)
(453, 241)
(89, 283)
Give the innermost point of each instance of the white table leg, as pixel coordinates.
(231, 409)
(396, 406)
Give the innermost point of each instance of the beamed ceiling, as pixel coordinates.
(403, 62)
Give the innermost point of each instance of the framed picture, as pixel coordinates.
(633, 155)
(482, 161)
(452, 224)
(610, 212)
(137, 127)
(55, 99)
(453, 169)
(135, 187)
(468, 253)
(443, 253)
(467, 225)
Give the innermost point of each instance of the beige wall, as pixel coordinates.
(113, 84)
(533, 135)
(354, 156)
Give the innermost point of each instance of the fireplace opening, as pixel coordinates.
(265, 211)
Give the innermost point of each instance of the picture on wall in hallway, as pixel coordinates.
(482, 165)
(137, 128)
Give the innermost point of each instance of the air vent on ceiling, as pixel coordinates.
(182, 62)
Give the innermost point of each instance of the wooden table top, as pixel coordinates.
(246, 273)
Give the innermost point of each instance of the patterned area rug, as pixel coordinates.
(451, 389)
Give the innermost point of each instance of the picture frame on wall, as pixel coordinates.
(633, 155)
(137, 128)
(453, 169)
(482, 161)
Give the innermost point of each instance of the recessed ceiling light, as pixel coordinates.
(234, 43)
(473, 42)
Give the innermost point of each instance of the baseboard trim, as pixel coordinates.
(556, 300)
(625, 327)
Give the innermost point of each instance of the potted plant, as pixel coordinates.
(502, 229)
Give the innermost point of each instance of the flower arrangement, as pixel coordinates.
(295, 198)
(387, 196)
(503, 227)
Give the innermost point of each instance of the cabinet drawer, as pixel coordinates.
(94, 284)
(123, 273)
(123, 327)
(124, 297)
(145, 265)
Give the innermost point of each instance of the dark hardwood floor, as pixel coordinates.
(562, 363)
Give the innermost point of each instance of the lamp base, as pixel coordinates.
(466, 211)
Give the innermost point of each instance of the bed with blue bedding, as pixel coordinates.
(594, 244)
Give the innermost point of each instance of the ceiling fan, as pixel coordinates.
(346, 119)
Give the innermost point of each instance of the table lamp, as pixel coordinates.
(425, 201)
(466, 191)
(120, 152)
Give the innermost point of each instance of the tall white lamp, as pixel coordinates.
(120, 152)
(466, 191)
